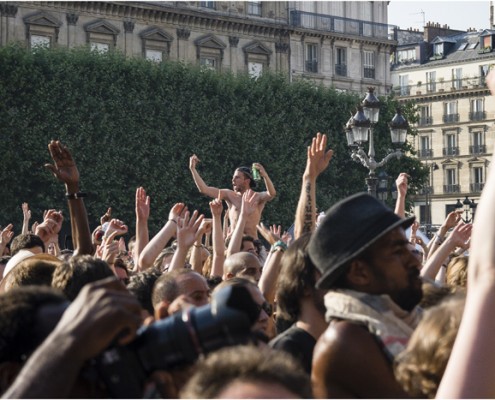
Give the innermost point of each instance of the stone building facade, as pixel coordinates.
(339, 43)
(443, 72)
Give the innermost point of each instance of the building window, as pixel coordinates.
(477, 179)
(484, 69)
(451, 185)
(405, 90)
(425, 116)
(311, 62)
(101, 35)
(450, 148)
(207, 4)
(341, 62)
(255, 69)
(369, 64)
(477, 112)
(406, 56)
(154, 55)
(450, 112)
(424, 147)
(438, 49)
(208, 63)
(254, 8)
(37, 41)
(431, 81)
(156, 44)
(477, 143)
(456, 78)
(99, 47)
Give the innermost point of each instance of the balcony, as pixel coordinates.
(477, 115)
(341, 69)
(311, 66)
(451, 151)
(477, 149)
(369, 72)
(450, 118)
(441, 86)
(476, 187)
(427, 190)
(424, 121)
(348, 26)
(451, 188)
(423, 153)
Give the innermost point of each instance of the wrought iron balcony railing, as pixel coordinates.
(451, 188)
(477, 187)
(451, 151)
(477, 149)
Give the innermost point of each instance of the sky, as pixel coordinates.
(459, 15)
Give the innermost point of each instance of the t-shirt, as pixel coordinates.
(297, 342)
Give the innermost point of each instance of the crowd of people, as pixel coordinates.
(346, 306)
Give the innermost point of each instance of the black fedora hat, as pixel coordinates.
(350, 227)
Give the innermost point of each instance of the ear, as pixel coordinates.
(359, 274)
(161, 310)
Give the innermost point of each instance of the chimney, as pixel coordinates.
(434, 29)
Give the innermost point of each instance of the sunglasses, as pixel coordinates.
(266, 307)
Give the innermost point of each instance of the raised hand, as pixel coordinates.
(260, 168)
(188, 229)
(216, 207)
(109, 248)
(318, 159)
(452, 219)
(64, 167)
(401, 183)
(106, 217)
(142, 204)
(271, 234)
(116, 225)
(177, 211)
(193, 161)
(6, 236)
(461, 234)
(26, 212)
(249, 202)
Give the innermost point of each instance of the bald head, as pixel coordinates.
(244, 265)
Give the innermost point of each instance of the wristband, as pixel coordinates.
(173, 220)
(75, 196)
(280, 245)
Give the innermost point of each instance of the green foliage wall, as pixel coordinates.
(133, 123)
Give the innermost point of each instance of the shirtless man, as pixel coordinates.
(241, 182)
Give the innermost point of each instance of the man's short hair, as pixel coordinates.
(349, 228)
(25, 241)
(246, 364)
(237, 262)
(166, 287)
(35, 270)
(72, 275)
(18, 318)
(141, 286)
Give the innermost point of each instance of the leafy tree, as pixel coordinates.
(131, 122)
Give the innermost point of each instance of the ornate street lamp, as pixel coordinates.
(468, 207)
(382, 190)
(362, 125)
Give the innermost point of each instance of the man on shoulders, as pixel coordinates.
(242, 181)
(373, 286)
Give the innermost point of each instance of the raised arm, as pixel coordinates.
(160, 240)
(26, 216)
(469, 372)
(218, 241)
(317, 161)
(200, 183)
(270, 189)
(451, 220)
(400, 204)
(65, 170)
(6, 236)
(142, 216)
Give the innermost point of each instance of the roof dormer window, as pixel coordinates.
(438, 49)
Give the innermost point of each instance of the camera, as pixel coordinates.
(179, 340)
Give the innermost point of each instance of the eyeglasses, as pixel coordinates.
(266, 307)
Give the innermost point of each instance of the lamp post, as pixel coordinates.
(428, 192)
(468, 207)
(360, 127)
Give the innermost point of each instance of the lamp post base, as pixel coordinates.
(371, 182)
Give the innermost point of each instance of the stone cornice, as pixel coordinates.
(162, 13)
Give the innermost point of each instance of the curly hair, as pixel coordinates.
(419, 369)
(141, 286)
(456, 274)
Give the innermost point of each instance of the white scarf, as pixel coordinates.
(383, 318)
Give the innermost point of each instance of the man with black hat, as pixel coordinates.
(241, 182)
(373, 284)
